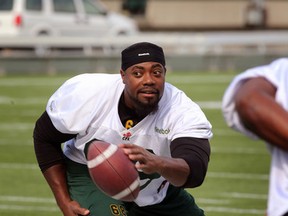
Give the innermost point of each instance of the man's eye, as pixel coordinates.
(137, 73)
(157, 72)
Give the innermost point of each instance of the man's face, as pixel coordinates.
(144, 86)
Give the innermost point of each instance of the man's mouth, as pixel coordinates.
(148, 93)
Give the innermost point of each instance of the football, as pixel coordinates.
(112, 171)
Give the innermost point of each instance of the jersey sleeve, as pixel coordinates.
(47, 142)
(188, 119)
(196, 153)
(72, 107)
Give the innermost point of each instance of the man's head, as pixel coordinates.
(143, 73)
(142, 52)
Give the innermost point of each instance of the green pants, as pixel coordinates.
(83, 190)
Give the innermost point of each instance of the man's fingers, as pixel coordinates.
(78, 210)
(83, 211)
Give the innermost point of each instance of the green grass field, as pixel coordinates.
(237, 179)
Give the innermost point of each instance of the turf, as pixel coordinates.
(236, 182)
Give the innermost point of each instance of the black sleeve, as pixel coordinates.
(47, 142)
(196, 152)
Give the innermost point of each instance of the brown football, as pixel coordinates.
(112, 171)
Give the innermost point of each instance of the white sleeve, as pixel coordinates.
(190, 121)
(70, 106)
(81, 99)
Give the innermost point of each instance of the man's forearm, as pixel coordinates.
(56, 178)
(175, 170)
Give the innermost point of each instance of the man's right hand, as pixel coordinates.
(73, 208)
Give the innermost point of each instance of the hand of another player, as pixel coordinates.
(74, 209)
(145, 160)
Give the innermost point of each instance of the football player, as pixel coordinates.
(256, 104)
(155, 123)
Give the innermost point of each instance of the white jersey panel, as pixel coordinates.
(277, 73)
(95, 116)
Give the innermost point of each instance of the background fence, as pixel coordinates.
(194, 51)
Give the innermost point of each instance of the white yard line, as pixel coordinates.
(27, 199)
(240, 150)
(16, 126)
(42, 100)
(29, 208)
(21, 166)
(199, 79)
(223, 210)
(237, 195)
(215, 201)
(9, 142)
(235, 210)
(229, 175)
(31, 82)
(209, 104)
(218, 209)
(173, 78)
(23, 101)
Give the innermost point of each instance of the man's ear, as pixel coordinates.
(122, 72)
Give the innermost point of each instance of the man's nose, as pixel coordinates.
(148, 79)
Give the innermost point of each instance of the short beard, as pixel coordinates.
(145, 109)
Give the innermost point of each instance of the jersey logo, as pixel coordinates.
(162, 131)
(126, 136)
(144, 54)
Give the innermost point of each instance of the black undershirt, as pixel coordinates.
(128, 116)
(48, 140)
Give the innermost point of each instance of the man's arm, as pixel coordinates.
(187, 167)
(56, 178)
(175, 171)
(196, 153)
(47, 145)
(259, 112)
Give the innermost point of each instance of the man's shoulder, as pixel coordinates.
(281, 61)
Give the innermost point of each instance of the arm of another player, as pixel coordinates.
(47, 144)
(259, 112)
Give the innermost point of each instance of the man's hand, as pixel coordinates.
(145, 161)
(74, 209)
(56, 178)
(174, 170)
